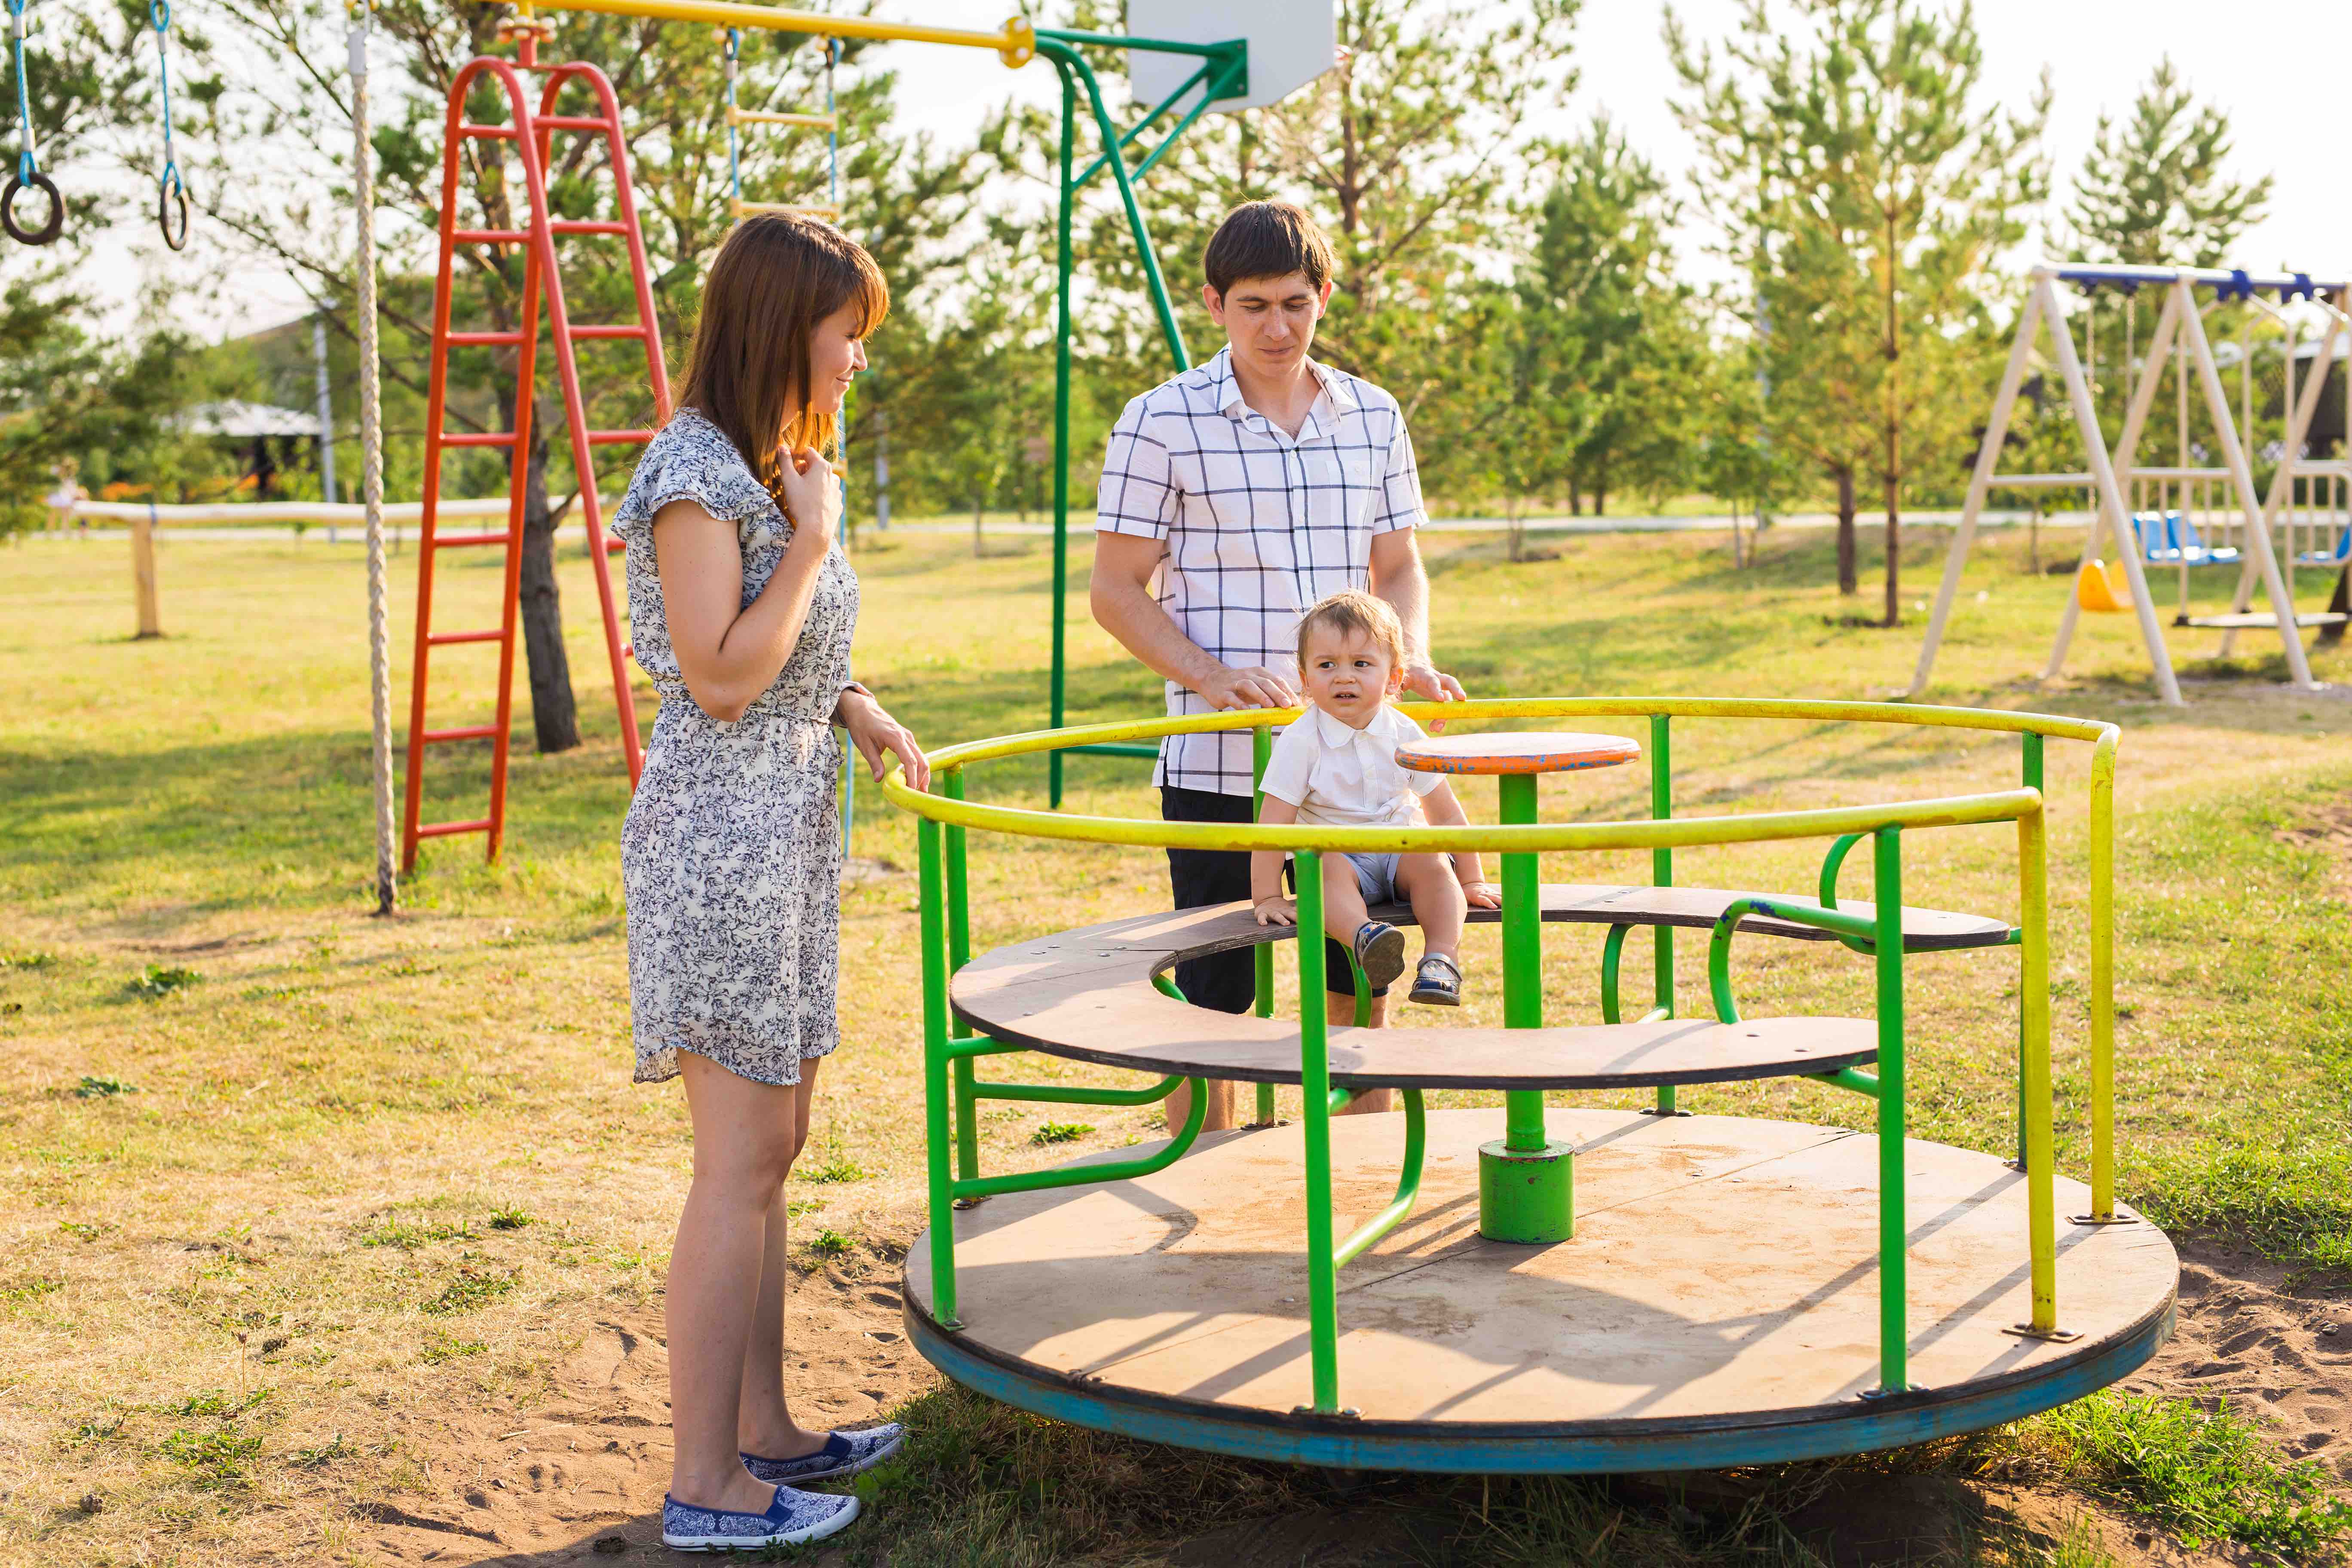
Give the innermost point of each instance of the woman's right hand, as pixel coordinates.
(811, 498)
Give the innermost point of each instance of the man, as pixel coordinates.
(1250, 487)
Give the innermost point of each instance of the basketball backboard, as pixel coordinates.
(1291, 42)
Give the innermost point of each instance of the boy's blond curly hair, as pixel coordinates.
(1360, 612)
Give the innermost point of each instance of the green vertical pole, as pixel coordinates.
(1315, 1081)
(1063, 263)
(1522, 958)
(935, 1073)
(1261, 749)
(1893, 1231)
(2034, 781)
(1661, 875)
(1526, 1191)
(958, 939)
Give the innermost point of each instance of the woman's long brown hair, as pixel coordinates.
(776, 277)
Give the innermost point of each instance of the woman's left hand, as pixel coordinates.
(874, 732)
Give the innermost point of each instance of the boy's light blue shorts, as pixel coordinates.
(1376, 879)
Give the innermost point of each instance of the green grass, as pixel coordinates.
(2207, 1477)
(162, 980)
(1051, 1133)
(470, 1290)
(338, 1121)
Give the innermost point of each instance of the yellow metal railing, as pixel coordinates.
(946, 816)
(1015, 43)
(2104, 739)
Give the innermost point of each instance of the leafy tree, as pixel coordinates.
(1619, 338)
(68, 386)
(900, 194)
(1735, 458)
(2154, 191)
(1522, 420)
(1406, 151)
(1870, 191)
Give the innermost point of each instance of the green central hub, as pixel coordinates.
(1526, 1184)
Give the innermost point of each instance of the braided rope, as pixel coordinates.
(371, 463)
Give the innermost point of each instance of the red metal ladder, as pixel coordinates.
(532, 132)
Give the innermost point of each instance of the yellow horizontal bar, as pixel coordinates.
(1014, 44)
(764, 117)
(2004, 806)
(1480, 709)
(738, 208)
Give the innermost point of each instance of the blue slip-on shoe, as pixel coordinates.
(793, 1518)
(843, 1454)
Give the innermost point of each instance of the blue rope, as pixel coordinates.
(27, 166)
(169, 185)
(734, 151)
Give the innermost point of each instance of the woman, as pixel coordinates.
(742, 605)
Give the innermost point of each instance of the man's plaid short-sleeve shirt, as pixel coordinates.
(1258, 525)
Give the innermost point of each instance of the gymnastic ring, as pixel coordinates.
(48, 231)
(170, 189)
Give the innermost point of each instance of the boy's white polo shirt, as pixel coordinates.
(1340, 776)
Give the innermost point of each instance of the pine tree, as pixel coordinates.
(1868, 191)
(1406, 151)
(1619, 338)
(2154, 191)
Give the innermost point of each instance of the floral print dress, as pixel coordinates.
(731, 856)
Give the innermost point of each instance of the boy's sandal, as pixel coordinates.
(1379, 951)
(1437, 982)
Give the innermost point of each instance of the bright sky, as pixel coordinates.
(2287, 122)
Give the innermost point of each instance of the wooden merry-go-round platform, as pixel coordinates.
(1717, 1305)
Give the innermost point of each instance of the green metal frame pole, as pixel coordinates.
(1522, 959)
(1526, 1183)
(1661, 875)
(1062, 263)
(1893, 1209)
(959, 951)
(1261, 751)
(934, 1074)
(1074, 69)
(1315, 1082)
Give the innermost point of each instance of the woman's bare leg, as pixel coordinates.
(743, 1145)
(764, 1425)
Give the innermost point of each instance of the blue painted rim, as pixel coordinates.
(1579, 1447)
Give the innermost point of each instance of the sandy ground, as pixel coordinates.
(579, 1478)
(2274, 1348)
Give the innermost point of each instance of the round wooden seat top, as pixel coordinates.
(1506, 753)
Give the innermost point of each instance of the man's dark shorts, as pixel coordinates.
(1227, 982)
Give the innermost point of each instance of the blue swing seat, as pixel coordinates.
(2169, 538)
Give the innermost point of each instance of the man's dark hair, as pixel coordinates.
(1267, 240)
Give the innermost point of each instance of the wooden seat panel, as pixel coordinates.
(1086, 995)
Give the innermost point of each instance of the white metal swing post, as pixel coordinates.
(2301, 411)
(2045, 307)
(2182, 322)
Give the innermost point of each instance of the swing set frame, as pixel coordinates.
(2180, 324)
